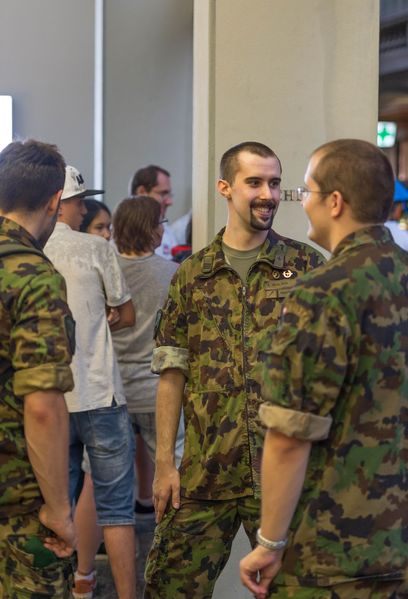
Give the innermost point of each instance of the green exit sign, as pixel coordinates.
(386, 134)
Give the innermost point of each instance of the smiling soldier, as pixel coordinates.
(221, 301)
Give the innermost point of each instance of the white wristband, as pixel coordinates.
(271, 545)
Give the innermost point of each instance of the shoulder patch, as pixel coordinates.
(279, 260)
(207, 264)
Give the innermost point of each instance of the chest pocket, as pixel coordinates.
(213, 345)
(279, 289)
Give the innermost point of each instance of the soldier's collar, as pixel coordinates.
(15, 231)
(372, 234)
(273, 252)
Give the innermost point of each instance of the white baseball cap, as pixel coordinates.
(75, 186)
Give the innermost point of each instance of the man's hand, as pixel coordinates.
(112, 315)
(65, 541)
(261, 560)
(166, 484)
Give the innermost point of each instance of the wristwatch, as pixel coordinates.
(271, 545)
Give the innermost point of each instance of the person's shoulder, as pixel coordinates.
(25, 261)
(299, 246)
(164, 264)
(194, 262)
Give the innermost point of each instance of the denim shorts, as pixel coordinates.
(108, 437)
(144, 424)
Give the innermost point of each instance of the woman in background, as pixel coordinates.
(137, 232)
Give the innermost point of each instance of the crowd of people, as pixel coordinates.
(251, 383)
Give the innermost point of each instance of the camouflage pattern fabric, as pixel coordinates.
(35, 352)
(191, 546)
(19, 578)
(372, 589)
(336, 371)
(210, 329)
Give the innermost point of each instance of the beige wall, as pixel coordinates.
(288, 73)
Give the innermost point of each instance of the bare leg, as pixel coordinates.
(89, 533)
(144, 469)
(120, 547)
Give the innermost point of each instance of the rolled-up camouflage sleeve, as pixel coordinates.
(303, 369)
(42, 338)
(171, 330)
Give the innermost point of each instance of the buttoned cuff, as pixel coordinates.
(301, 425)
(166, 356)
(42, 378)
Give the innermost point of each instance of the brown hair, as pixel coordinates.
(30, 173)
(361, 173)
(229, 164)
(146, 177)
(134, 222)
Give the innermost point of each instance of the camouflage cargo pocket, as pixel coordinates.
(24, 581)
(158, 553)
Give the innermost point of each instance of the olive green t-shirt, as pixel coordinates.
(241, 260)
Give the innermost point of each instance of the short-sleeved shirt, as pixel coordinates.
(210, 328)
(94, 280)
(336, 373)
(35, 352)
(148, 279)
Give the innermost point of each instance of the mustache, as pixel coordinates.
(269, 204)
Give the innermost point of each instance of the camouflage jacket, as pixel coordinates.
(336, 373)
(35, 353)
(210, 329)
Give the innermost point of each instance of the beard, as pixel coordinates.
(262, 222)
(47, 231)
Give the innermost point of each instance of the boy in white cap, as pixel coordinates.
(99, 419)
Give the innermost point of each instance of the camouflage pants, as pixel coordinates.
(19, 579)
(192, 544)
(373, 589)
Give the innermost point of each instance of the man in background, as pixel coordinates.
(155, 182)
(37, 342)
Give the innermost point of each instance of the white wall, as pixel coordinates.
(47, 64)
(148, 82)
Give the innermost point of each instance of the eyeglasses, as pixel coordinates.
(163, 220)
(298, 194)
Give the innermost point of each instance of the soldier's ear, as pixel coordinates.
(54, 202)
(337, 204)
(224, 188)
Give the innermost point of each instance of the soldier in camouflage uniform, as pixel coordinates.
(36, 330)
(220, 302)
(335, 378)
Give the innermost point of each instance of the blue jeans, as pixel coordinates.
(108, 437)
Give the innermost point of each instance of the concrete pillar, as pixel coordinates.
(290, 73)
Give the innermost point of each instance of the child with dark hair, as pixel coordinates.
(97, 220)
